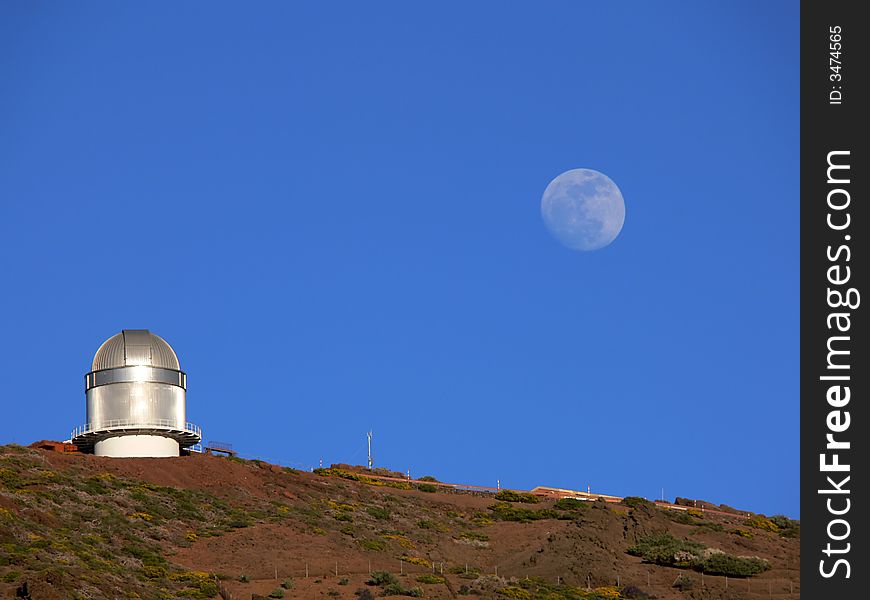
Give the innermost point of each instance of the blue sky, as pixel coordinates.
(332, 212)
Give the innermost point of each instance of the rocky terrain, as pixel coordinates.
(202, 526)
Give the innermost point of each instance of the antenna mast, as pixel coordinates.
(369, 437)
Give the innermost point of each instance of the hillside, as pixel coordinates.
(81, 526)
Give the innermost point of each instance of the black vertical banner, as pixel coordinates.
(835, 377)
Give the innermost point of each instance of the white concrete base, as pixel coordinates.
(137, 446)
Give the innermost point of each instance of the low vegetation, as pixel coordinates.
(533, 588)
(512, 496)
(571, 504)
(101, 535)
(637, 502)
(666, 550)
(353, 476)
(96, 534)
(505, 511)
(776, 524)
(390, 585)
(375, 545)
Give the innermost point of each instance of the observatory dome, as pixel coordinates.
(135, 347)
(136, 402)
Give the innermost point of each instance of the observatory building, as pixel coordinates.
(136, 399)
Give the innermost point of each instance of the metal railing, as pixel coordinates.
(133, 424)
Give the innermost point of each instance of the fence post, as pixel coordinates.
(306, 570)
(401, 567)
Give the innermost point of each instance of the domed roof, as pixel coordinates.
(134, 347)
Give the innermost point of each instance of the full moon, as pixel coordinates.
(583, 209)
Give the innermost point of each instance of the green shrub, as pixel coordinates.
(742, 532)
(244, 578)
(763, 523)
(733, 566)
(792, 532)
(504, 511)
(512, 496)
(781, 521)
(11, 577)
(432, 525)
(378, 512)
(287, 584)
(637, 502)
(684, 583)
(461, 570)
(198, 584)
(152, 572)
(679, 516)
(393, 589)
(239, 523)
(428, 488)
(396, 589)
(572, 504)
(337, 473)
(147, 554)
(787, 527)
(430, 579)
(427, 478)
(382, 578)
(375, 545)
(94, 486)
(416, 560)
(517, 593)
(277, 593)
(343, 581)
(664, 549)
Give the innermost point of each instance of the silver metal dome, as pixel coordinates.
(136, 399)
(135, 347)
